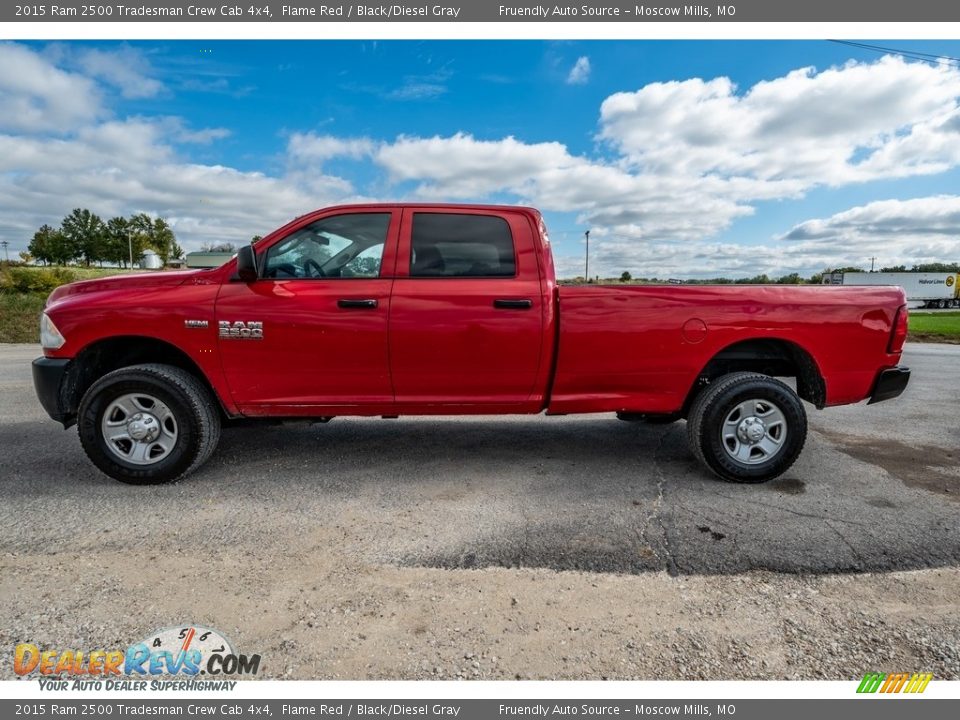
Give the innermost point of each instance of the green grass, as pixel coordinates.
(19, 311)
(936, 327)
(83, 273)
(19, 317)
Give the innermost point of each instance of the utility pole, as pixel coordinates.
(586, 268)
(6, 252)
(130, 248)
(872, 260)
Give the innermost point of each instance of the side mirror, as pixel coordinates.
(247, 264)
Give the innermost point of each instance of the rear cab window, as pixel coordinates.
(461, 245)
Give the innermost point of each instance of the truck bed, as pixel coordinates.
(642, 347)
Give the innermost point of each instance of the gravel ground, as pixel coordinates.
(501, 548)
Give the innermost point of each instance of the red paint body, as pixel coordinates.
(438, 345)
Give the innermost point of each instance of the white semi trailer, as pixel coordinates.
(929, 290)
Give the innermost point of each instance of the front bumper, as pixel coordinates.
(47, 378)
(890, 383)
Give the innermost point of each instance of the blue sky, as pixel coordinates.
(683, 158)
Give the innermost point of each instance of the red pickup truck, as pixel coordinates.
(387, 310)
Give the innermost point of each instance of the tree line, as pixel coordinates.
(84, 237)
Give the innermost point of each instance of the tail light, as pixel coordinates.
(899, 334)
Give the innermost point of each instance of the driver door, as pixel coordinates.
(323, 299)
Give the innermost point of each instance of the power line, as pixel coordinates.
(911, 54)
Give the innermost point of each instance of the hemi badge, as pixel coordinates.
(195, 323)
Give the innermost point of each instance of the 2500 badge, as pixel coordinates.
(250, 330)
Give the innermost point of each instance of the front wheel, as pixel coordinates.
(747, 427)
(148, 424)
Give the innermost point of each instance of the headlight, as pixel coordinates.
(50, 337)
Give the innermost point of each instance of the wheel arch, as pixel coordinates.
(772, 356)
(108, 354)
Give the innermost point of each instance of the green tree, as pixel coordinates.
(141, 232)
(162, 239)
(625, 276)
(86, 234)
(51, 246)
(895, 268)
(219, 247)
(762, 279)
(40, 245)
(791, 279)
(937, 267)
(117, 245)
(176, 251)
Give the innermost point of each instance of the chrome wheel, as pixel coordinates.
(139, 429)
(753, 432)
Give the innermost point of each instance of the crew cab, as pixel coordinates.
(399, 309)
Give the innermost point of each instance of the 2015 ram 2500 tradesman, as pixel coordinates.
(445, 309)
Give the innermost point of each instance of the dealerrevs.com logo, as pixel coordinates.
(187, 651)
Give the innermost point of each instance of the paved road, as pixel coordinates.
(877, 488)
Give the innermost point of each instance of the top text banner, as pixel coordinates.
(825, 11)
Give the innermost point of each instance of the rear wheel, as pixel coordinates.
(747, 427)
(148, 424)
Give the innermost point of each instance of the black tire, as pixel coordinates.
(193, 409)
(715, 404)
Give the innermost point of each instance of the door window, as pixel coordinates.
(341, 246)
(461, 245)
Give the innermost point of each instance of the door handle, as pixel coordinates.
(511, 304)
(348, 303)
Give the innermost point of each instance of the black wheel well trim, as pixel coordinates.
(105, 355)
(767, 355)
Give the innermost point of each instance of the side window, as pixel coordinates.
(341, 246)
(460, 245)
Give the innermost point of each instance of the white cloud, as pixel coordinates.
(696, 155)
(853, 123)
(122, 167)
(422, 87)
(125, 69)
(308, 146)
(60, 149)
(201, 137)
(894, 231)
(461, 166)
(548, 176)
(580, 72)
(36, 96)
(417, 91)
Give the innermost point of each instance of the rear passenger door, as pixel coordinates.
(466, 314)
